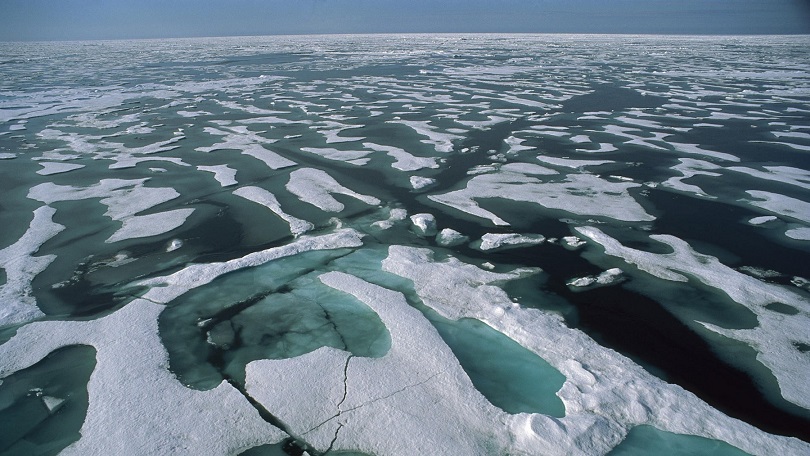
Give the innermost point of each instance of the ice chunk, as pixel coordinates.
(17, 303)
(494, 241)
(395, 215)
(315, 186)
(419, 182)
(572, 242)
(424, 224)
(175, 244)
(449, 237)
(261, 196)
(609, 277)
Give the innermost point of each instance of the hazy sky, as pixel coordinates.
(104, 19)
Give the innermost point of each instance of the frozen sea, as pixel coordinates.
(399, 245)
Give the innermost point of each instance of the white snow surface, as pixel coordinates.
(774, 338)
(763, 219)
(605, 394)
(315, 186)
(265, 198)
(17, 304)
(800, 234)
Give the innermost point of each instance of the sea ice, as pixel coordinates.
(424, 224)
(315, 186)
(571, 163)
(404, 161)
(49, 168)
(763, 219)
(774, 338)
(605, 394)
(225, 175)
(420, 183)
(495, 241)
(785, 206)
(442, 142)
(124, 199)
(355, 157)
(449, 237)
(609, 277)
(17, 303)
(800, 234)
(136, 405)
(166, 288)
(261, 196)
(583, 194)
(250, 143)
(138, 226)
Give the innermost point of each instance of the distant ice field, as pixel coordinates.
(406, 244)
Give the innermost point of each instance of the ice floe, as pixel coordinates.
(688, 168)
(225, 175)
(782, 205)
(424, 224)
(265, 198)
(582, 194)
(610, 277)
(315, 186)
(17, 303)
(572, 163)
(442, 142)
(449, 237)
(395, 215)
(404, 161)
(355, 157)
(774, 338)
(49, 168)
(495, 241)
(421, 183)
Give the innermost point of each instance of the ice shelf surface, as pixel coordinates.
(397, 245)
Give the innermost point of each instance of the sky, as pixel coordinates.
(25, 20)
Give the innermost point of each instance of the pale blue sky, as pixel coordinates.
(106, 19)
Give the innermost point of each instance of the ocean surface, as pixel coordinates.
(399, 245)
